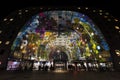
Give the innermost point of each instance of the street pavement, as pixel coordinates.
(58, 75)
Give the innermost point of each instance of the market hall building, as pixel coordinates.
(71, 38)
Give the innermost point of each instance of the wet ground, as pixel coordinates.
(58, 75)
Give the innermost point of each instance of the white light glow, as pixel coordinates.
(98, 47)
(11, 19)
(5, 19)
(0, 31)
(7, 42)
(78, 7)
(0, 42)
(116, 27)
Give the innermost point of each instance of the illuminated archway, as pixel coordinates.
(73, 32)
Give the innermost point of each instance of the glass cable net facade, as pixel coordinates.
(70, 33)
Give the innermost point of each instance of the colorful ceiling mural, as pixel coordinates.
(51, 33)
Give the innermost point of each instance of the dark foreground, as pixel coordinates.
(44, 75)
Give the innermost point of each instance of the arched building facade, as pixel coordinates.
(68, 31)
(69, 36)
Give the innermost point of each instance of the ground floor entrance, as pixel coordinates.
(57, 65)
(60, 64)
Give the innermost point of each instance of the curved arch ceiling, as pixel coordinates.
(71, 32)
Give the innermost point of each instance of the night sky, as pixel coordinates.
(7, 6)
